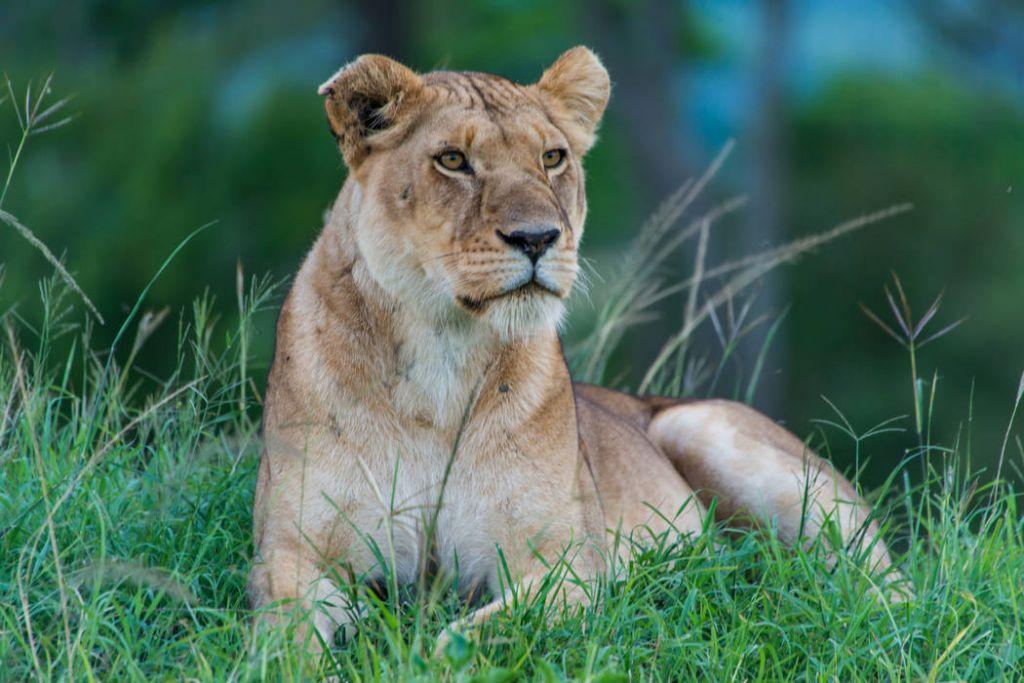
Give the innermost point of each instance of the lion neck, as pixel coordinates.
(430, 367)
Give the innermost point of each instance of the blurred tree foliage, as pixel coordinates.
(956, 153)
(200, 111)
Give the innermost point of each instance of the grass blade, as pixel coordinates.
(54, 261)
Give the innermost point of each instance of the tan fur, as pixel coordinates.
(418, 382)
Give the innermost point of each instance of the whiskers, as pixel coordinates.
(564, 272)
(440, 257)
(454, 256)
(492, 280)
(586, 274)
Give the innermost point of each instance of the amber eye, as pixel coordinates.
(553, 158)
(453, 160)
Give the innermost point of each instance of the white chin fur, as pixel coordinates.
(515, 318)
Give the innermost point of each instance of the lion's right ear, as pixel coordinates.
(366, 98)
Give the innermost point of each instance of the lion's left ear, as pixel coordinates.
(579, 85)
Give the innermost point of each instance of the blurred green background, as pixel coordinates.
(196, 111)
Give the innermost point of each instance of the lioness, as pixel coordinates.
(418, 387)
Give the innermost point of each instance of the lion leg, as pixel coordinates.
(288, 586)
(569, 595)
(561, 562)
(760, 473)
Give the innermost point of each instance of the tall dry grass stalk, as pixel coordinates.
(640, 281)
(35, 120)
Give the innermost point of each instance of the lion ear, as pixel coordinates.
(579, 83)
(366, 98)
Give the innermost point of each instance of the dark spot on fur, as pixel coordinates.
(502, 388)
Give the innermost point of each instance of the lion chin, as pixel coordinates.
(521, 315)
(518, 311)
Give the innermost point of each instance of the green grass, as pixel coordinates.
(125, 533)
(150, 522)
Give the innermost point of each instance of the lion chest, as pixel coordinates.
(417, 505)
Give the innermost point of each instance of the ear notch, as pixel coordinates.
(366, 98)
(579, 84)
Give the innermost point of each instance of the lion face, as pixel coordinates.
(471, 199)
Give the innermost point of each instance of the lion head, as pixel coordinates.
(468, 200)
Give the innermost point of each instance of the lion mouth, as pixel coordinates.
(528, 288)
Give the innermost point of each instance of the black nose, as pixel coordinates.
(533, 240)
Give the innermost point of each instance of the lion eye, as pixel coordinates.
(553, 158)
(453, 160)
